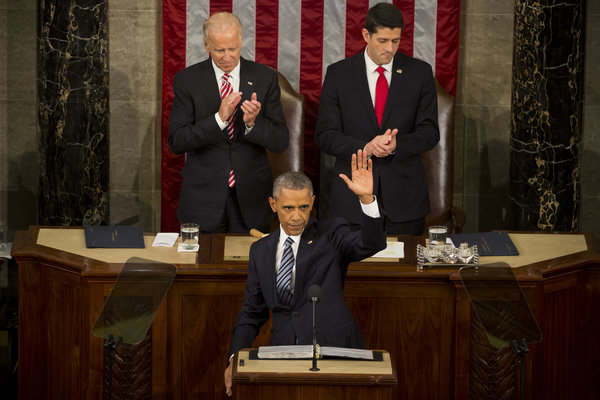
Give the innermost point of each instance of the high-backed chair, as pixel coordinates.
(291, 159)
(439, 168)
(293, 110)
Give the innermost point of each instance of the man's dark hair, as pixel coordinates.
(383, 15)
(291, 180)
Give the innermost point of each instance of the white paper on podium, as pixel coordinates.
(165, 239)
(393, 250)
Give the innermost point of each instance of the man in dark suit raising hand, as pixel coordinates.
(302, 253)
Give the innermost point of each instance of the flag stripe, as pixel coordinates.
(334, 33)
(288, 55)
(196, 15)
(310, 78)
(267, 12)
(425, 29)
(446, 60)
(174, 57)
(246, 12)
(408, 14)
(355, 20)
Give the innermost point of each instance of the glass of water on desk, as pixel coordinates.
(189, 237)
(437, 235)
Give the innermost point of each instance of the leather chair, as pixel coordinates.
(439, 168)
(293, 110)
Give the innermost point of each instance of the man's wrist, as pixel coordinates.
(366, 199)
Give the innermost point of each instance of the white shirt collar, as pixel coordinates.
(283, 236)
(372, 67)
(235, 73)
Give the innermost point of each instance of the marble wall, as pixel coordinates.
(73, 93)
(590, 182)
(482, 131)
(482, 127)
(135, 51)
(547, 115)
(18, 114)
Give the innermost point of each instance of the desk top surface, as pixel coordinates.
(532, 247)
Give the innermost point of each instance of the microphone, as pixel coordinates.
(314, 294)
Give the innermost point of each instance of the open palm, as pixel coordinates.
(361, 183)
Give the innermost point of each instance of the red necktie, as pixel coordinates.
(381, 92)
(226, 89)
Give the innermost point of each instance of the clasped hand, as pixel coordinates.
(251, 108)
(382, 145)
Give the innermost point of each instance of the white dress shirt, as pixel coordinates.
(234, 79)
(373, 75)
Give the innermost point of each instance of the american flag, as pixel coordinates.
(300, 38)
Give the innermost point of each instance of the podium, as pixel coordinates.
(291, 379)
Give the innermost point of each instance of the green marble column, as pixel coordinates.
(73, 112)
(547, 111)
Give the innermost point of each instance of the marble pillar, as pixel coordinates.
(546, 111)
(73, 112)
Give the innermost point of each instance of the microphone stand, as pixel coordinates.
(111, 345)
(314, 293)
(520, 349)
(314, 357)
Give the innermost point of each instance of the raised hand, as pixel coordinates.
(362, 177)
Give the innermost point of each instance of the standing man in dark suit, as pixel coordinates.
(226, 112)
(383, 102)
(302, 253)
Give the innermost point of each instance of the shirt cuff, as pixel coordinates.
(248, 129)
(372, 209)
(222, 125)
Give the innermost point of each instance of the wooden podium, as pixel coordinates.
(292, 379)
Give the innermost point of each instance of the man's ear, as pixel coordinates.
(273, 204)
(365, 35)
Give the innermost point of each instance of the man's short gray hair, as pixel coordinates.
(292, 180)
(220, 22)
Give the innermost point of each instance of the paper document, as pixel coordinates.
(393, 250)
(306, 351)
(165, 239)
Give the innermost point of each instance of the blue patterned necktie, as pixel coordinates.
(284, 276)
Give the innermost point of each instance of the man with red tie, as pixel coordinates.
(383, 102)
(226, 112)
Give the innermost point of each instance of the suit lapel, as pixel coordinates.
(360, 77)
(271, 274)
(248, 80)
(207, 77)
(395, 91)
(305, 249)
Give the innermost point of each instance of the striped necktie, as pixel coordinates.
(284, 276)
(226, 89)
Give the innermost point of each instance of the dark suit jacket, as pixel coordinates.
(347, 121)
(209, 153)
(325, 250)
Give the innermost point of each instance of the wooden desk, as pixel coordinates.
(423, 318)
